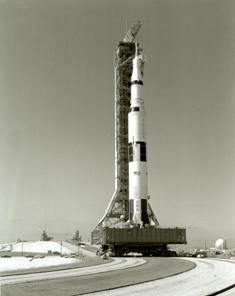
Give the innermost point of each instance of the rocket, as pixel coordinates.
(138, 179)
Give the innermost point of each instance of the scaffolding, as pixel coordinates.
(117, 212)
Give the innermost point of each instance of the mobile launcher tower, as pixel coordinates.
(129, 224)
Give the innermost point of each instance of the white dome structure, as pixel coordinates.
(220, 244)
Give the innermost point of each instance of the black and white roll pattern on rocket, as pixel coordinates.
(138, 180)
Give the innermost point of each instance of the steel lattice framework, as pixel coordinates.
(117, 212)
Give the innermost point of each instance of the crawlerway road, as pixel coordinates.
(121, 272)
(210, 277)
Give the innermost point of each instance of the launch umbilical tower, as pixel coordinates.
(117, 213)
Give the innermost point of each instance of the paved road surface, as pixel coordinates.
(116, 264)
(207, 278)
(76, 284)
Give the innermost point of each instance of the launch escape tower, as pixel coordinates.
(117, 212)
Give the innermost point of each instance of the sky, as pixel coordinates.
(57, 114)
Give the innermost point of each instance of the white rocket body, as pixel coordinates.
(138, 181)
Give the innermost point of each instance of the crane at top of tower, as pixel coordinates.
(130, 35)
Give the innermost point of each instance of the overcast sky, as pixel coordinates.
(57, 113)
